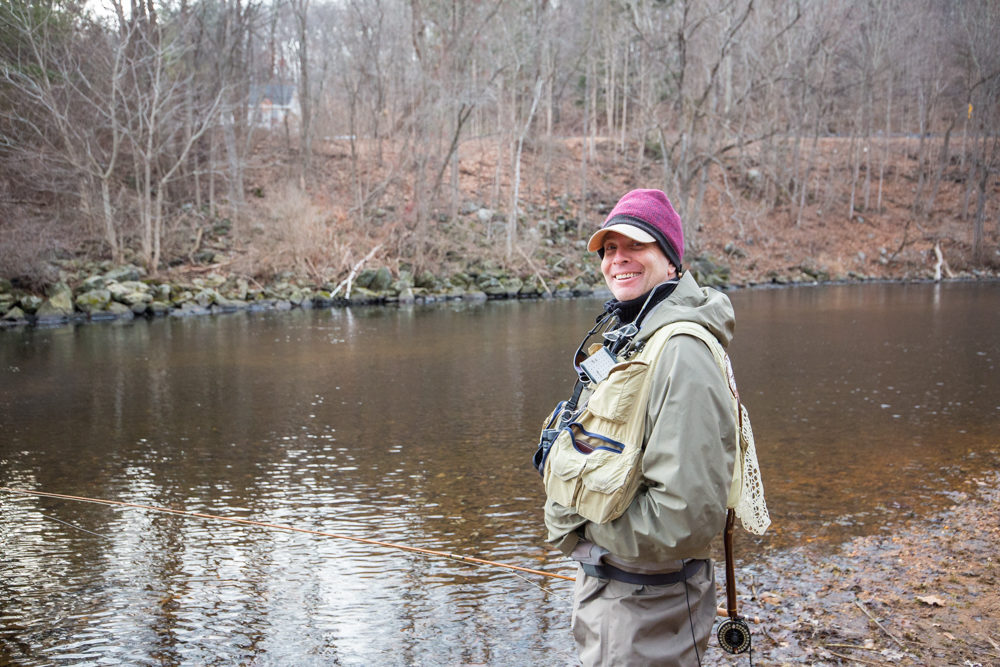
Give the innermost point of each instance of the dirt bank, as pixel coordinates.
(926, 594)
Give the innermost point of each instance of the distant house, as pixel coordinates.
(272, 103)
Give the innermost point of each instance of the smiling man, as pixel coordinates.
(645, 590)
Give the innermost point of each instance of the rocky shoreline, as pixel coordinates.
(102, 291)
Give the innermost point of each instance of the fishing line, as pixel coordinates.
(294, 529)
(67, 523)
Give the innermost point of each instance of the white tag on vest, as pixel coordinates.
(598, 365)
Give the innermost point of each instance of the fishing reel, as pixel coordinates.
(734, 633)
(734, 636)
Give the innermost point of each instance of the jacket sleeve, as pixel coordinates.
(687, 464)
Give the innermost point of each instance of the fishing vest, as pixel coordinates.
(594, 465)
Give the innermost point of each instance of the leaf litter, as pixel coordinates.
(925, 593)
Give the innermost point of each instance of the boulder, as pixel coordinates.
(124, 273)
(29, 303)
(406, 295)
(224, 305)
(161, 292)
(14, 316)
(159, 308)
(181, 296)
(188, 309)
(365, 278)
(474, 296)
(382, 280)
(93, 283)
(130, 292)
(492, 287)
(512, 286)
(120, 311)
(94, 300)
(426, 280)
(360, 296)
(60, 298)
(207, 297)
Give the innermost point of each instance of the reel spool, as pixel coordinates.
(734, 636)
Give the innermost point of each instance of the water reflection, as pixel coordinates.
(416, 425)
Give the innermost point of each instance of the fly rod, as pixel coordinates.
(274, 526)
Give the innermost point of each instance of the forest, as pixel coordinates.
(267, 138)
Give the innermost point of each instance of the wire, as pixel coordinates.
(687, 599)
(274, 526)
(67, 523)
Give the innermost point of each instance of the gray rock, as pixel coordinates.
(161, 292)
(406, 296)
(365, 278)
(29, 303)
(426, 280)
(461, 280)
(382, 280)
(130, 292)
(206, 297)
(60, 298)
(188, 309)
(15, 315)
(492, 286)
(229, 305)
(180, 297)
(123, 273)
(474, 296)
(93, 283)
(159, 307)
(120, 311)
(93, 300)
(513, 286)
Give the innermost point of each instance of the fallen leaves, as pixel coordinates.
(931, 600)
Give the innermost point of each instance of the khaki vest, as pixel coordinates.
(594, 465)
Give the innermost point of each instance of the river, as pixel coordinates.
(415, 425)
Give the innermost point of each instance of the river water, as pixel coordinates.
(415, 425)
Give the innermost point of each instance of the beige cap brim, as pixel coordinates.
(625, 229)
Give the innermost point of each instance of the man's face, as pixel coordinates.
(632, 268)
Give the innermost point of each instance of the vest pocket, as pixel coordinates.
(562, 470)
(615, 398)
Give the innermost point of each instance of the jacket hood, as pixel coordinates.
(689, 302)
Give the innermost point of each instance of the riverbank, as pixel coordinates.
(87, 292)
(925, 593)
(301, 248)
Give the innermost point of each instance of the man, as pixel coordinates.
(645, 592)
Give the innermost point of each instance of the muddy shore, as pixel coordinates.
(926, 592)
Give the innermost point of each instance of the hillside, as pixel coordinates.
(356, 216)
(747, 223)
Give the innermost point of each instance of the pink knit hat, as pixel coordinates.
(647, 217)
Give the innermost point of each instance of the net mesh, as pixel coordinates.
(750, 508)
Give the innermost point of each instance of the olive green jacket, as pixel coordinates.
(689, 447)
